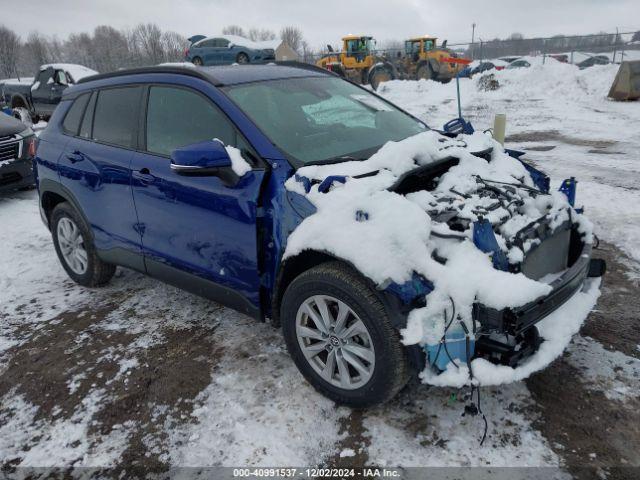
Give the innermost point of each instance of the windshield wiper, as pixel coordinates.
(332, 160)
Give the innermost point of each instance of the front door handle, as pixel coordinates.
(75, 157)
(144, 176)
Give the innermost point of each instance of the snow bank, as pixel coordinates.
(360, 220)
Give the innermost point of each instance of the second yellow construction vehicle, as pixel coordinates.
(424, 59)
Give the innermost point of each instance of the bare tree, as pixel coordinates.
(37, 51)
(148, 38)
(108, 49)
(78, 49)
(174, 46)
(261, 34)
(293, 37)
(9, 48)
(233, 30)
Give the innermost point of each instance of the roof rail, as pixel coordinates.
(305, 66)
(192, 72)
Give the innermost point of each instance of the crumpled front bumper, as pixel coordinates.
(519, 323)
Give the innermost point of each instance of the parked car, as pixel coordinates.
(180, 173)
(36, 101)
(561, 57)
(228, 49)
(489, 65)
(17, 146)
(520, 63)
(594, 60)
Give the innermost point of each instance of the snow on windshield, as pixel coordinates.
(388, 236)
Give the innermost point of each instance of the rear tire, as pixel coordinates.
(242, 58)
(74, 246)
(379, 75)
(197, 61)
(380, 368)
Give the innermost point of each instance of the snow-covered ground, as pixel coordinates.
(143, 374)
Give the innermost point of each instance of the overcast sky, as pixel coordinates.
(325, 21)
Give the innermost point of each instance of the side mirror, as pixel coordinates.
(231, 45)
(208, 158)
(329, 48)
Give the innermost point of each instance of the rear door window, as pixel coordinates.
(177, 117)
(72, 120)
(116, 116)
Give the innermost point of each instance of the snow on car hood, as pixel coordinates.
(388, 236)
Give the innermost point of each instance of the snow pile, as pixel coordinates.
(360, 220)
(564, 88)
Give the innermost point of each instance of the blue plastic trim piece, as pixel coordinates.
(458, 126)
(485, 240)
(412, 289)
(306, 183)
(569, 187)
(329, 181)
(540, 180)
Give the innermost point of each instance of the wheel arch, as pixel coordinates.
(246, 53)
(19, 101)
(292, 267)
(52, 194)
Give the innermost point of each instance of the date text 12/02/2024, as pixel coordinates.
(316, 472)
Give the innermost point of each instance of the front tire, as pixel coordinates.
(197, 61)
(242, 58)
(340, 336)
(75, 249)
(424, 72)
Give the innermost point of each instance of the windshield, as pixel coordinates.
(359, 45)
(322, 118)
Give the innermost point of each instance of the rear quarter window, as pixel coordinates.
(71, 123)
(116, 116)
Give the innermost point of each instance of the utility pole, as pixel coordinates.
(473, 33)
(615, 46)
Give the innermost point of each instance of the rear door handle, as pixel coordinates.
(144, 176)
(75, 157)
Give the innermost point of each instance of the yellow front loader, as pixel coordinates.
(424, 59)
(358, 62)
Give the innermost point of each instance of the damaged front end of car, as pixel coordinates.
(474, 253)
(553, 249)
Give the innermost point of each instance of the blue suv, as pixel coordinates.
(227, 49)
(179, 173)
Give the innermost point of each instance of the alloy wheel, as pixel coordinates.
(72, 246)
(335, 342)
